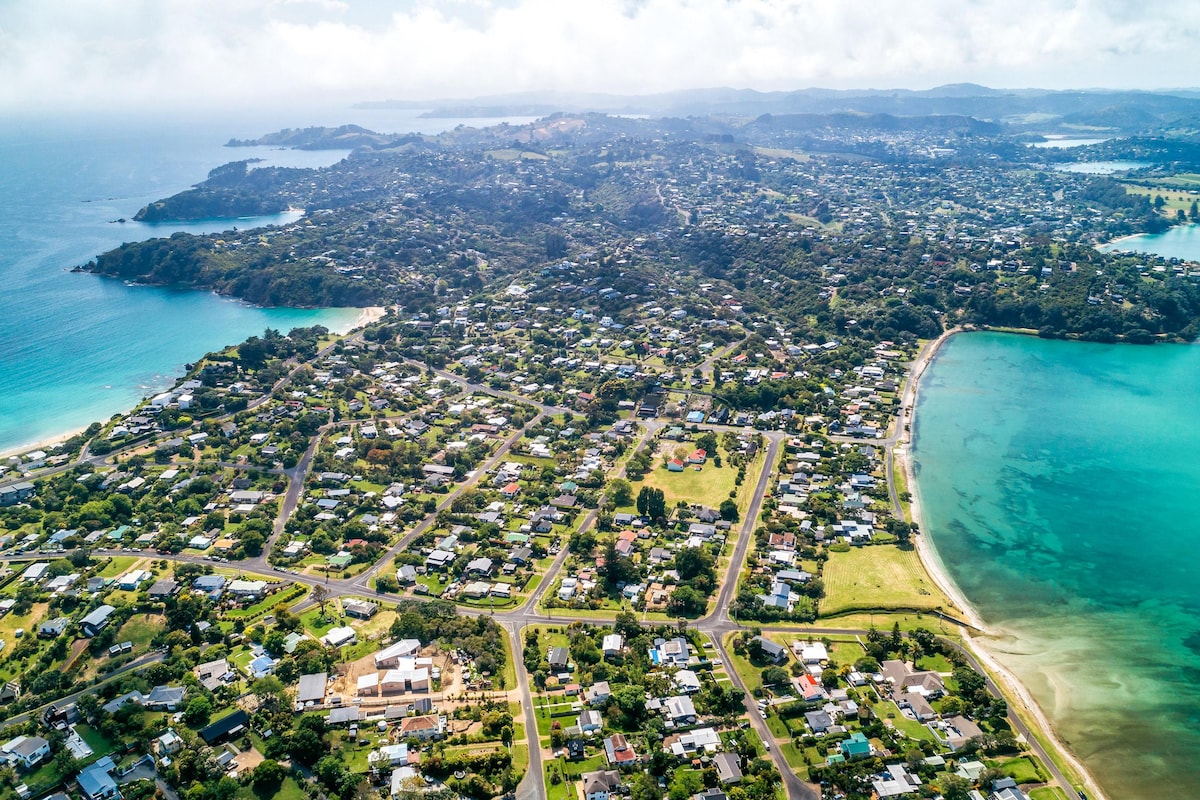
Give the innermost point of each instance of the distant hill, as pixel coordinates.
(343, 137)
(1127, 112)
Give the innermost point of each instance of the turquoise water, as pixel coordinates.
(1101, 167)
(1057, 481)
(1066, 142)
(1181, 241)
(75, 348)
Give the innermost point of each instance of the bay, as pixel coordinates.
(1180, 241)
(1056, 481)
(75, 348)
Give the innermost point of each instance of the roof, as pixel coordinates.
(224, 726)
(99, 616)
(312, 687)
(729, 767)
(339, 716)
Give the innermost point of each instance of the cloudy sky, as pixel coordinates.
(84, 54)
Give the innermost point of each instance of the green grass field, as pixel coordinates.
(1047, 793)
(708, 487)
(881, 577)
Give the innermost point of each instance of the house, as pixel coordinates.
(262, 666)
(680, 710)
(597, 693)
(168, 744)
(687, 681)
(675, 465)
(687, 745)
(213, 674)
(576, 750)
(479, 566)
(343, 716)
(614, 643)
(775, 653)
(389, 755)
(423, 728)
(133, 579)
(247, 589)
(165, 698)
(52, 629)
(895, 782)
(35, 572)
(558, 658)
(406, 574)
(1007, 789)
(340, 636)
(600, 784)
(228, 726)
(670, 653)
(809, 687)
(96, 782)
(818, 721)
(811, 652)
(697, 456)
(163, 588)
(97, 620)
(856, 746)
(211, 585)
(390, 656)
(28, 751)
(311, 688)
(957, 731)
(729, 768)
(360, 609)
(618, 751)
(589, 720)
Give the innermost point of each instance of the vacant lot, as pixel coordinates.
(879, 577)
(707, 486)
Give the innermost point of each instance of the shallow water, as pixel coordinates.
(1056, 481)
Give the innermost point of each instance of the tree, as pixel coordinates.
(320, 596)
(268, 775)
(651, 502)
(955, 787)
(729, 510)
(197, 712)
(620, 492)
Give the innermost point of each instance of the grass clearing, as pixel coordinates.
(880, 577)
(1048, 793)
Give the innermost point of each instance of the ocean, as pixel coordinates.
(76, 348)
(1057, 483)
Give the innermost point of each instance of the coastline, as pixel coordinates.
(366, 316)
(1009, 682)
(43, 444)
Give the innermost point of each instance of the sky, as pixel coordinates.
(198, 54)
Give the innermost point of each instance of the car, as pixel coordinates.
(762, 713)
(766, 745)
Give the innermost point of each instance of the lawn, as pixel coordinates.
(1025, 769)
(880, 577)
(563, 790)
(118, 566)
(288, 790)
(909, 727)
(751, 675)
(1047, 793)
(141, 629)
(707, 487)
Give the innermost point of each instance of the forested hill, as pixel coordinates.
(876, 232)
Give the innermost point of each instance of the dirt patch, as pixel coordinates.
(248, 759)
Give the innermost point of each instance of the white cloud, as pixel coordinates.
(208, 53)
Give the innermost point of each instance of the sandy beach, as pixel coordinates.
(976, 641)
(366, 316)
(370, 314)
(44, 444)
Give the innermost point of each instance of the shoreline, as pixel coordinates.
(1008, 681)
(41, 444)
(366, 316)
